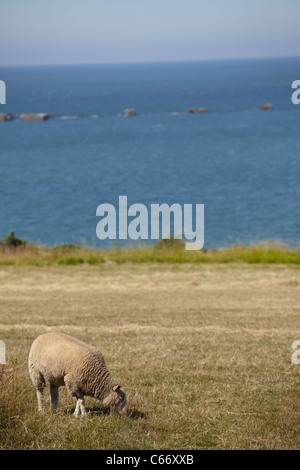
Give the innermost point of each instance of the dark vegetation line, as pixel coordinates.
(17, 252)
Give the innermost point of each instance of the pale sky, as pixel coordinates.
(109, 31)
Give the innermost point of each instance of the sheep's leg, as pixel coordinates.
(77, 409)
(39, 384)
(73, 390)
(40, 399)
(80, 408)
(54, 397)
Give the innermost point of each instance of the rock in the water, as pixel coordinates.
(35, 117)
(191, 110)
(130, 112)
(6, 117)
(266, 106)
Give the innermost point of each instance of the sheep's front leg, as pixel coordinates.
(54, 397)
(80, 408)
(40, 399)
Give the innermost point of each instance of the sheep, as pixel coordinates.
(61, 360)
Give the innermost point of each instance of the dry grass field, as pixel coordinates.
(202, 350)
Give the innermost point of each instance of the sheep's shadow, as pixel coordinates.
(132, 413)
(91, 410)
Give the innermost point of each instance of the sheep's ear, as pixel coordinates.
(116, 387)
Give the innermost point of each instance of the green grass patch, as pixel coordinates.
(31, 254)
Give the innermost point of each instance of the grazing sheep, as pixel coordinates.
(63, 360)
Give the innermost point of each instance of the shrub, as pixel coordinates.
(11, 241)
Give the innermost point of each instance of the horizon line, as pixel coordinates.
(146, 62)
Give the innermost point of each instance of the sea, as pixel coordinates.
(242, 163)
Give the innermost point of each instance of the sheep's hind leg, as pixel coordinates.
(54, 397)
(39, 383)
(40, 399)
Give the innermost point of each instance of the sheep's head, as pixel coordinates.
(117, 400)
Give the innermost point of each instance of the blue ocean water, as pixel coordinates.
(243, 164)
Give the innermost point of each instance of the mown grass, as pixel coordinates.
(34, 255)
(202, 350)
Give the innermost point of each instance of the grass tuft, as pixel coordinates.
(165, 251)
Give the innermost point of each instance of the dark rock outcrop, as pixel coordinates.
(6, 117)
(191, 110)
(130, 112)
(35, 117)
(266, 106)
